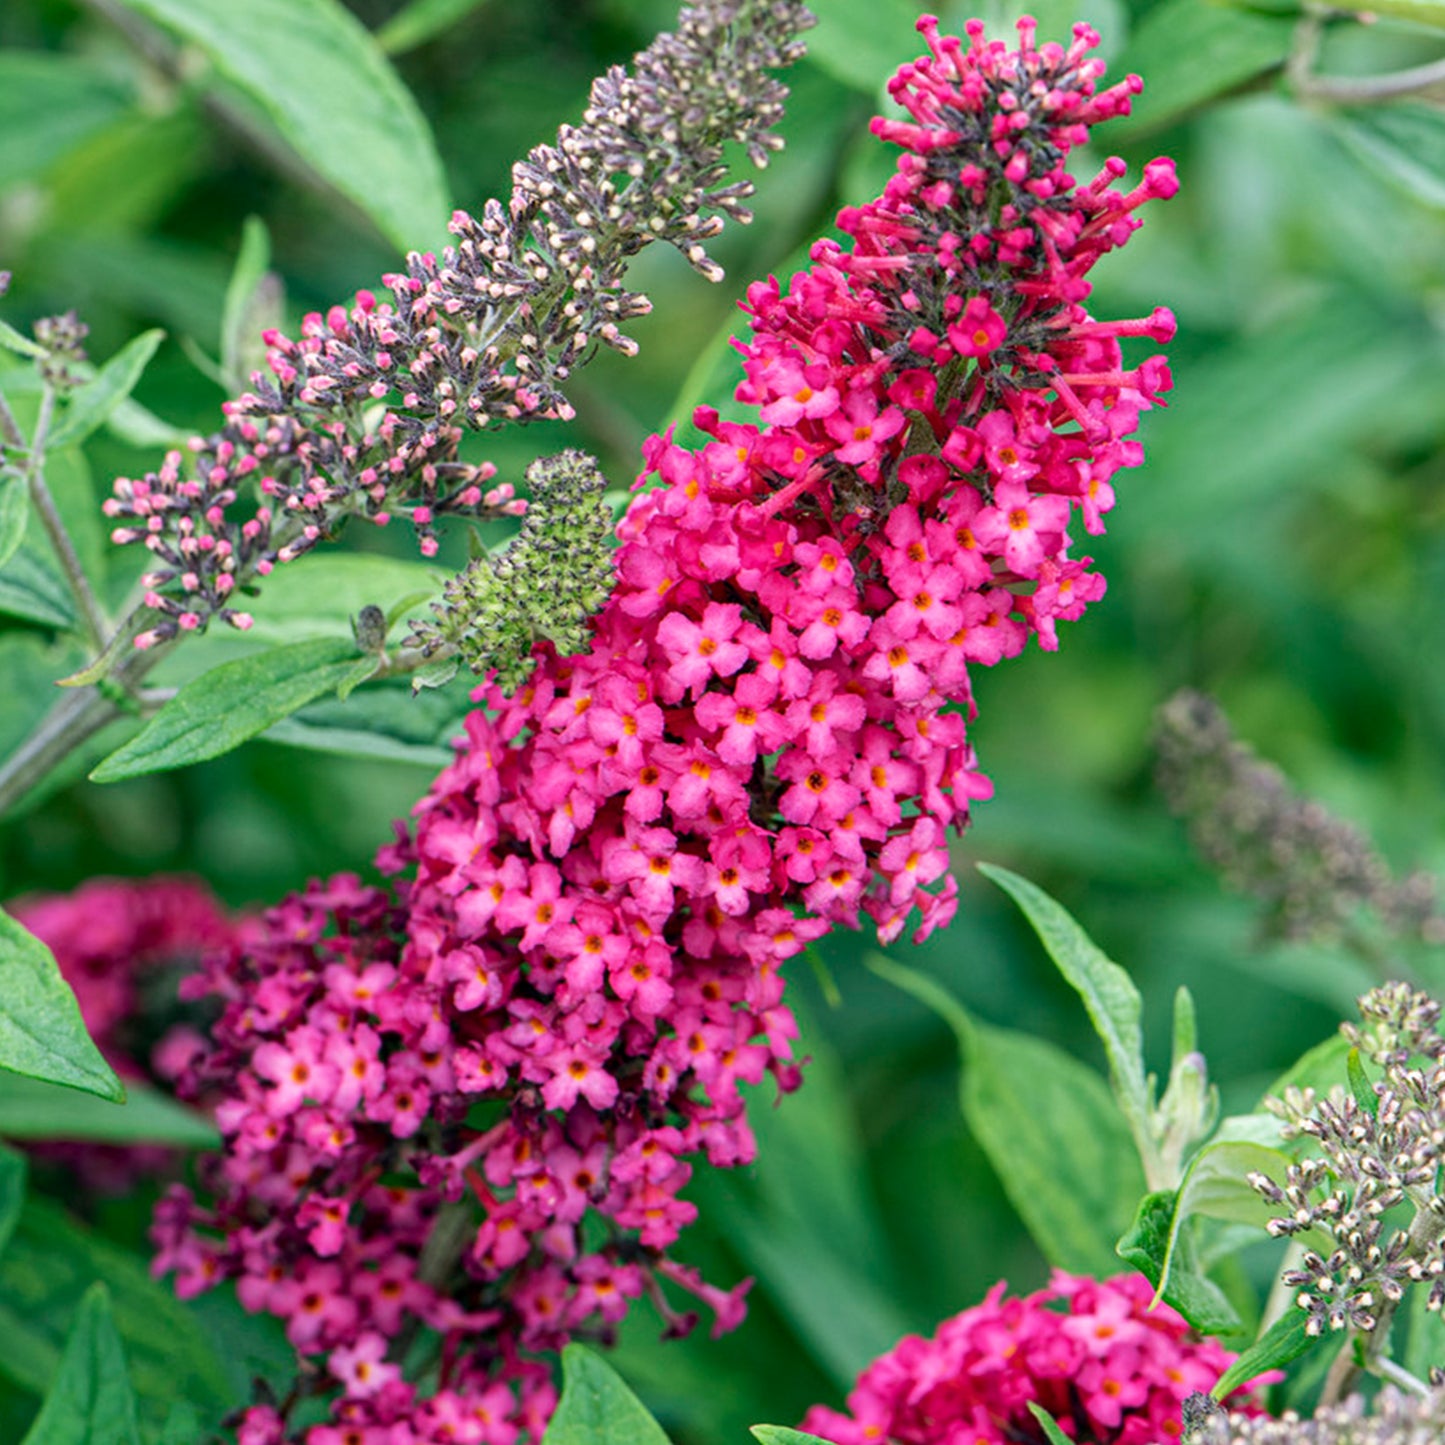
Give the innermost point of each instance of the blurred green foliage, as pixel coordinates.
(1283, 548)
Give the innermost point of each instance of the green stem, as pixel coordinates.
(96, 623)
(1426, 1230)
(1351, 89)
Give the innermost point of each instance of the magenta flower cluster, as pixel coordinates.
(1107, 1367)
(470, 1104)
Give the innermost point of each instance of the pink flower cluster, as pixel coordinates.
(1107, 1367)
(477, 1101)
(119, 944)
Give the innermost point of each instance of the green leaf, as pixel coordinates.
(1285, 1341)
(182, 1427)
(221, 709)
(1048, 1425)
(1215, 1185)
(1425, 1335)
(364, 670)
(597, 1408)
(12, 340)
(333, 96)
(1360, 1086)
(241, 325)
(420, 21)
(1403, 143)
(786, 1435)
(1050, 1128)
(356, 743)
(41, 1032)
(320, 597)
(90, 405)
(50, 103)
(46, 1270)
(1164, 1254)
(30, 589)
(13, 1171)
(1191, 51)
(14, 513)
(805, 1221)
(1113, 1003)
(91, 1401)
(32, 1110)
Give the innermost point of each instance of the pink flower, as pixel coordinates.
(1107, 1367)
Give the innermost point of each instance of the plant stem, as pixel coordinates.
(76, 717)
(1425, 1233)
(1351, 89)
(97, 624)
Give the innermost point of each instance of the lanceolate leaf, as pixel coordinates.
(420, 21)
(90, 406)
(596, 1408)
(784, 1435)
(32, 1110)
(1286, 1340)
(45, 1271)
(222, 708)
(14, 513)
(1048, 1425)
(12, 1192)
(41, 1033)
(91, 1401)
(1403, 143)
(238, 314)
(30, 589)
(333, 96)
(1108, 992)
(1164, 1255)
(1190, 51)
(1050, 1128)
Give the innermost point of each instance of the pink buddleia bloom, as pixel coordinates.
(1098, 1355)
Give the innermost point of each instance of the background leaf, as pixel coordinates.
(224, 707)
(91, 1401)
(48, 105)
(41, 1033)
(13, 1171)
(1405, 143)
(1109, 995)
(45, 1272)
(32, 1110)
(14, 513)
(91, 405)
(1050, 1128)
(1190, 51)
(422, 20)
(333, 96)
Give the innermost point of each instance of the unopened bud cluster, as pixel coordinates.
(1314, 870)
(365, 413)
(63, 338)
(549, 581)
(1369, 1155)
(1391, 1418)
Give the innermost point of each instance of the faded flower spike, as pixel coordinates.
(1314, 871)
(365, 413)
(1368, 1151)
(1393, 1417)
